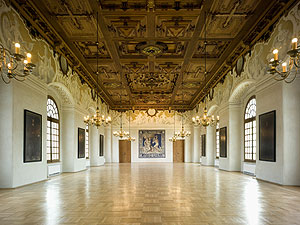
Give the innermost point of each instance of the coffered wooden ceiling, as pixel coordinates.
(177, 26)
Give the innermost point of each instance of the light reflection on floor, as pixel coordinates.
(151, 193)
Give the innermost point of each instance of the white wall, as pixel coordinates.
(108, 144)
(15, 98)
(6, 135)
(72, 119)
(291, 132)
(95, 158)
(269, 98)
(224, 122)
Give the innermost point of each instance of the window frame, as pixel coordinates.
(53, 120)
(245, 122)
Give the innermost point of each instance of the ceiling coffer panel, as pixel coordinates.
(126, 26)
(175, 26)
(147, 46)
(89, 50)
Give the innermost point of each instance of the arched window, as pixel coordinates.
(87, 141)
(250, 130)
(217, 141)
(53, 153)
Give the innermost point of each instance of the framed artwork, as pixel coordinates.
(203, 145)
(152, 144)
(267, 136)
(101, 145)
(32, 137)
(81, 143)
(223, 142)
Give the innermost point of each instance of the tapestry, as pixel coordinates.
(152, 144)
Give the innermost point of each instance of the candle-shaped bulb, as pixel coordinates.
(28, 58)
(284, 67)
(25, 65)
(275, 52)
(17, 48)
(294, 43)
(272, 60)
(194, 119)
(212, 117)
(9, 66)
(218, 118)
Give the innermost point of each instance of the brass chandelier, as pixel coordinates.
(97, 119)
(205, 120)
(14, 65)
(122, 134)
(130, 138)
(285, 72)
(182, 134)
(174, 137)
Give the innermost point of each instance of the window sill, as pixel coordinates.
(250, 161)
(53, 163)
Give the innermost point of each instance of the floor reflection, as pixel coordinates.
(151, 193)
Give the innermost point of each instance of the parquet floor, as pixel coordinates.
(157, 193)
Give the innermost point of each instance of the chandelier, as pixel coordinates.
(183, 133)
(97, 120)
(14, 66)
(129, 138)
(285, 72)
(174, 137)
(205, 120)
(122, 134)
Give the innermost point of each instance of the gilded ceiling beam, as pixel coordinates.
(110, 44)
(245, 40)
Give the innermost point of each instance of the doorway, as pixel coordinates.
(124, 151)
(178, 151)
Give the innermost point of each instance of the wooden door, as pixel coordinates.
(178, 151)
(124, 151)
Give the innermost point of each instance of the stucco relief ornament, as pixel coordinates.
(151, 112)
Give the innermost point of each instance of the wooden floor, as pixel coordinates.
(157, 193)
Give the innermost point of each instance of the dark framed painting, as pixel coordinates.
(267, 136)
(152, 144)
(203, 145)
(32, 137)
(101, 145)
(81, 143)
(223, 142)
